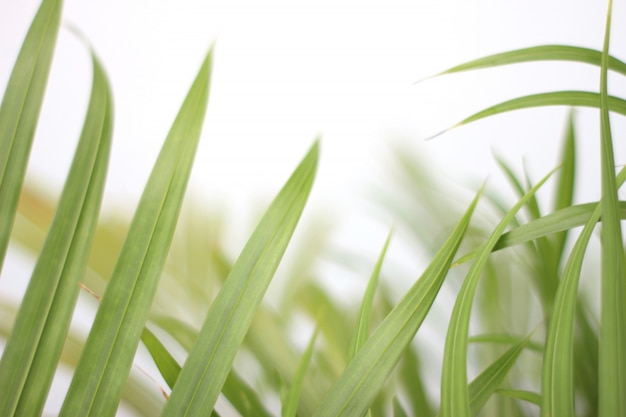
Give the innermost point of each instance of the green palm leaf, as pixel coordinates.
(366, 373)
(539, 53)
(231, 314)
(612, 366)
(110, 348)
(20, 108)
(455, 400)
(32, 352)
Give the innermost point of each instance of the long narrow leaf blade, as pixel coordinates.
(290, 406)
(20, 109)
(363, 321)
(32, 352)
(231, 314)
(110, 348)
(612, 366)
(556, 222)
(455, 399)
(558, 375)
(485, 384)
(366, 373)
(555, 98)
(539, 53)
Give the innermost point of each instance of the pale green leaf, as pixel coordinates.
(20, 109)
(454, 392)
(231, 314)
(33, 350)
(290, 404)
(366, 373)
(528, 396)
(539, 53)
(485, 384)
(558, 374)
(363, 321)
(110, 348)
(612, 367)
(558, 221)
(555, 98)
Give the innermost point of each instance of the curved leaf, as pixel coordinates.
(20, 109)
(366, 373)
(363, 321)
(33, 350)
(539, 53)
(556, 222)
(455, 399)
(231, 314)
(110, 348)
(612, 366)
(555, 98)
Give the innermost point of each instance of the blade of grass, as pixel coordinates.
(363, 321)
(485, 384)
(398, 410)
(30, 358)
(110, 348)
(564, 193)
(558, 374)
(559, 221)
(410, 375)
(366, 373)
(232, 312)
(586, 359)
(555, 98)
(539, 53)
(290, 404)
(238, 393)
(454, 392)
(20, 109)
(267, 340)
(166, 364)
(528, 396)
(613, 294)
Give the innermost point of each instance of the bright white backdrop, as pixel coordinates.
(286, 72)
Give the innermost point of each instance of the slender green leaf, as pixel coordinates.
(238, 393)
(410, 375)
(110, 348)
(165, 362)
(290, 404)
(485, 384)
(555, 98)
(528, 396)
(243, 397)
(564, 193)
(539, 53)
(363, 321)
(398, 410)
(20, 109)
(366, 373)
(558, 374)
(454, 392)
(586, 359)
(232, 312)
(559, 221)
(33, 350)
(276, 356)
(504, 339)
(613, 294)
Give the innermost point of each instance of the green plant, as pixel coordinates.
(198, 305)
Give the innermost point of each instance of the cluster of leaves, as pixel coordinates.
(197, 305)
